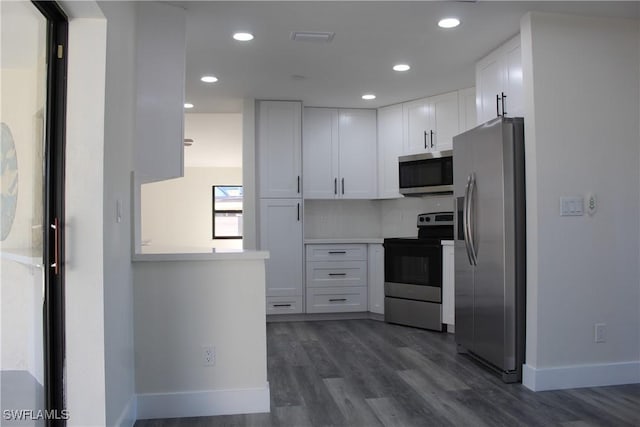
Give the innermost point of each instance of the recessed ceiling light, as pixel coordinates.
(369, 96)
(209, 79)
(401, 67)
(243, 37)
(449, 23)
(188, 105)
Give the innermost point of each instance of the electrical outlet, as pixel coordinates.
(599, 329)
(208, 355)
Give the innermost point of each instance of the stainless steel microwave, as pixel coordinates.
(426, 173)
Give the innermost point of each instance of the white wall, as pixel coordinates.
(249, 173)
(178, 212)
(582, 90)
(118, 163)
(181, 306)
(84, 304)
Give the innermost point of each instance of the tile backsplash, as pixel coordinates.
(369, 218)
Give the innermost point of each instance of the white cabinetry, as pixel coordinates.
(281, 234)
(467, 109)
(336, 278)
(375, 260)
(430, 123)
(340, 156)
(499, 82)
(389, 148)
(279, 149)
(448, 286)
(160, 82)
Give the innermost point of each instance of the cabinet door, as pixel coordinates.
(281, 234)
(489, 83)
(445, 121)
(279, 149)
(389, 148)
(358, 154)
(417, 118)
(160, 61)
(467, 109)
(513, 62)
(320, 153)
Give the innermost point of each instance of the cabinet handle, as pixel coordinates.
(298, 184)
(504, 113)
(425, 139)
(298, 211)
(337, 252)
(497, 105)
(337, 299)
(335, 186)
(342, 186)
(337, 274)
(431, 138)
(282, 305)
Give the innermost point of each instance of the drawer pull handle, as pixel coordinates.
(337, 299)
(337, 274)
(282, 305)
(337, 252)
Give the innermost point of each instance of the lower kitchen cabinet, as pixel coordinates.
(281, 234)
(284, 305)
(448, 286)
(336, 278)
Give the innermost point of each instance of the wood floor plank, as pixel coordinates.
(291, 416)
(391, 414)
(352, 404)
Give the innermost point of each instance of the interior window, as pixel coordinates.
(227, 212)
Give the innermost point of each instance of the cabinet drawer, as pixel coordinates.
(352, 252)
(335, 300)
(284, 305)
(336, 273)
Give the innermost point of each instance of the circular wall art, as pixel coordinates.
(9, 174)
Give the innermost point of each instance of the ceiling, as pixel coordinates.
(370, 37)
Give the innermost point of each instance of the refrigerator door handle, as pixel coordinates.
(465, 220)
(471, 217)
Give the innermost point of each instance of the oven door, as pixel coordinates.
(413, 269)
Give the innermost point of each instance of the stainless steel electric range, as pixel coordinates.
(413, 273)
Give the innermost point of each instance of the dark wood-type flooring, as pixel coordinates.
(368, 373)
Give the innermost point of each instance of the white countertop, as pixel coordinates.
(344, 240)
(446, 242)
(152, 253)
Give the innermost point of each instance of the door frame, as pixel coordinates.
(53, 212)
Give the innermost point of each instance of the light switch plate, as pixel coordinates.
(571, 206)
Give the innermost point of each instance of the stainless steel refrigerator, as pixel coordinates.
(489, 194)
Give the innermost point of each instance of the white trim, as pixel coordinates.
(580, 376)
(203, 403)
(129, 414)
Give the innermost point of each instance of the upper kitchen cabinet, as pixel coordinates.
(340, 157)
(467, 109)
(389, 149)
(279, 149)
(499, 82)
(160, 83)
(430, 123)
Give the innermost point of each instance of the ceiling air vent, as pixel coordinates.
(312, 36)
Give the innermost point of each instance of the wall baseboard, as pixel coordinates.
(129, 414)
(580, 376)
(204, 403)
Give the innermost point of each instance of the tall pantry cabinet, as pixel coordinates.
(279, 154)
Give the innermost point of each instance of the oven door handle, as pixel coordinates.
(465, 220)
